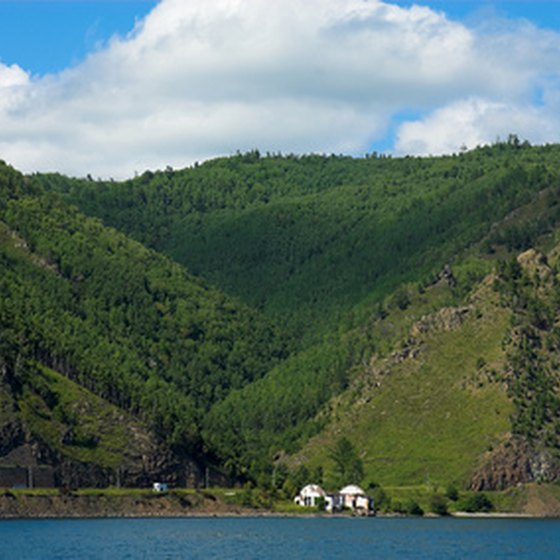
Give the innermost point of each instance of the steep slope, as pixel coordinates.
(323, 245)
(54, 432)
(121, 321)
(411, 359)
(469, 397)
(430, 409)
(307, 239)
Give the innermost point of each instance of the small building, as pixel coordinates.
(310, 496)
(351, 497)
(160, 487)
(354, 498)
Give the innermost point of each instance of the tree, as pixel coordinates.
(438, 504)
(348, 465)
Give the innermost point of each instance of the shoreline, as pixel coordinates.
(192, 503)
(69, 516)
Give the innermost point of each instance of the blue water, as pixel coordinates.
(271, 538)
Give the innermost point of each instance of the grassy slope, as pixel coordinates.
(429, 420)
(90, 418)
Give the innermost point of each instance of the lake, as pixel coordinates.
(286, 538)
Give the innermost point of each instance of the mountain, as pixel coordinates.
(119, 320)
(306, 239)
(471, 394)
(251, 311)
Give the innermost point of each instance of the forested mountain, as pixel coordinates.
(284, 310)
(307, 238)
(118, 319)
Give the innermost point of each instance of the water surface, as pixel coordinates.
(286, 538)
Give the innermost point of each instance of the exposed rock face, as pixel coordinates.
(512, 463)
(26, 457)
(446, 319)
(446, 277)
(140, 468)
(536, 264)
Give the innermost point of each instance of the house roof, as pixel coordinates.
(352, 490)
(312, 490)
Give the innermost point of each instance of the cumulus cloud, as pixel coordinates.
(474, 122)
(525, 59)
(197, 79)
(12, 80)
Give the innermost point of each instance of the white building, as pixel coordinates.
(160, 487)
(310, 496)
(353, 497)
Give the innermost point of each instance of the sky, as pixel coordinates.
(112, 88)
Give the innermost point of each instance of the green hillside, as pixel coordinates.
(430, 409)
(122, 321)
(306, 239)
(288, 310)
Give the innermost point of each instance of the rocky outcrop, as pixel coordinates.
(512, 463)
(446, 319)
(130, 456)
(68, 504)
(534, 261)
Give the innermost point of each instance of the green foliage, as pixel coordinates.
(381, 500)
(279, 410)
(420, 412)
(476, 503)
(413, 508)
(438, 504)
(452, 493)
(307, 238)
(325, 248)
(121, 320)
(531, 371)
(348, 467)
(401, 298)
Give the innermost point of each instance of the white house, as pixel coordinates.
(353, 497)
(160, 487)
(310, 496)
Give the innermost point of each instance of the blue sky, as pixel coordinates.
(202, 78)
(545, 13)
(44, 36)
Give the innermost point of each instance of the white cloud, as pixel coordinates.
(197, 79)
(12, 80)
(474, 122)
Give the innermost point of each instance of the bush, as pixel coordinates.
(401, 299)
(438, 504)
(380, 499)
(413, 508)
(397, 507)
(452, 493)
(477, 503)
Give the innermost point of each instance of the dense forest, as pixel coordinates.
(229, 305)
(305, 239)
(119, 319)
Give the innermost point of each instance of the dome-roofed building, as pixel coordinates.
(351, 497)
(310, 496)
(352, 490)
(355, 498)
